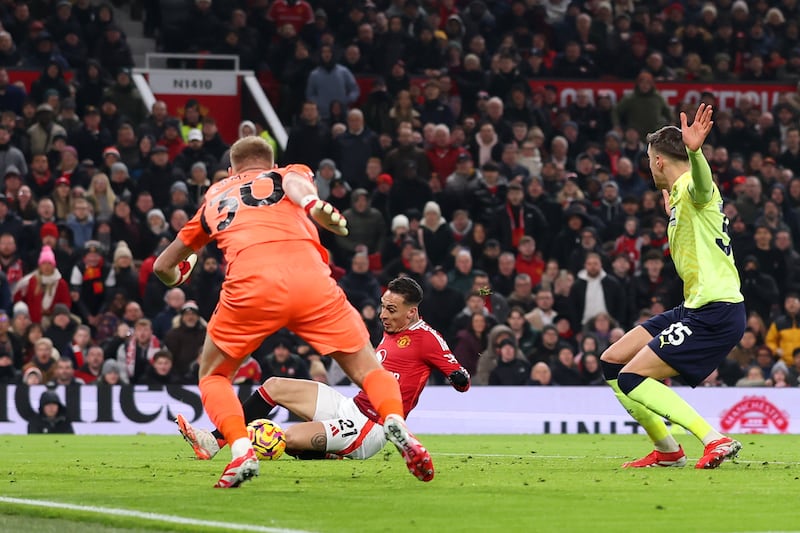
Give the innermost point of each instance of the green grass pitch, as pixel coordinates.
(526, 483)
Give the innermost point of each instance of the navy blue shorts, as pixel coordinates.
(695, 341)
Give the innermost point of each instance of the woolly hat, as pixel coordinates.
(432, 206)
(179, 186)
(20, 308)
(400, 221)
(47, 256)
(48, 228)
(116, 167)
(122, 250)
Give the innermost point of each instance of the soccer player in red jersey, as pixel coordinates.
(277, 276)
(350, 427)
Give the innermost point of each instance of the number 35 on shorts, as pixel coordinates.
(675, 334)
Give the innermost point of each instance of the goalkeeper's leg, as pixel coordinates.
(225, 412)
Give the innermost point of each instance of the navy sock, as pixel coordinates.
(610, 370)
(628, 381)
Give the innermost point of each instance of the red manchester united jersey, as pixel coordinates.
(410, 355)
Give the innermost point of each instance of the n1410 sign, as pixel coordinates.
(197, 82)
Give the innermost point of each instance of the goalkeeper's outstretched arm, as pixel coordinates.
(303, 192)
(174, 265)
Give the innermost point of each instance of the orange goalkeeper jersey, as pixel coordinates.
(244, 211)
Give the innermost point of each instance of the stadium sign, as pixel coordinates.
(482, 410)
(193, 82)
(764, 96)
(728, 95)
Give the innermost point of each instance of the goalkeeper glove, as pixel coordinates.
(325, 215)
(180, 273)
(459, 379)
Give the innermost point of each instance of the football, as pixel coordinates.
(268, 439)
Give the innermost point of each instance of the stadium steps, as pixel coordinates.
(140, 45)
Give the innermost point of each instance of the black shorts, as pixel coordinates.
(695, 341)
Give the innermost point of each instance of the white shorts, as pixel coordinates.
(350, 433)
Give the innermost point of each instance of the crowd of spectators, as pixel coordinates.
(533, 228)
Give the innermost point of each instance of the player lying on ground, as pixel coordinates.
(277, 276)
(692, 339)
(350, 427)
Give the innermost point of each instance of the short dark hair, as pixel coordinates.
(668, 141)
(407, 288)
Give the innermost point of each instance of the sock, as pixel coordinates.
(383, 392)
(653, 424)
(223, 407)
(240, 447)
(258, 405)
(661, 399)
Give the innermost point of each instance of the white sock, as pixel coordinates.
(240, 447)
(667, 445)
(712, 436)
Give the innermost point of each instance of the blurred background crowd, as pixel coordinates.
(437, 128)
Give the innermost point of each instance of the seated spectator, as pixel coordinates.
(112, 374)
(161, 371)
(185, 339)
(565, 371)
(64, 374)
(44, 359)
(512, 368)
(135, 355)
(43, 288)
(524, 334)
(470, 342)
(438, 239)
(283, 363)
(591, 372)
(112, 49)
(92, 367)
(360, 285)
(754, 378)
(541, 375)
(52, 416)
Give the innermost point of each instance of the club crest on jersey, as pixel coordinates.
(403, 341)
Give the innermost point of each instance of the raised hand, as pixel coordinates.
(695, 135)
(327, 216)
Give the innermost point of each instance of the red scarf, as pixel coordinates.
(95, 276)
(517, 226)
(130, 353)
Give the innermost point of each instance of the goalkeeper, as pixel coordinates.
(277, 276)
(350, 427)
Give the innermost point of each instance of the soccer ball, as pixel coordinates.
(269, 440)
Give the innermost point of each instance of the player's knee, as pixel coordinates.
(612, 354)
(628, 381)
(273, 386)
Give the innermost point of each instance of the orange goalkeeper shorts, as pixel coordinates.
(286, 284)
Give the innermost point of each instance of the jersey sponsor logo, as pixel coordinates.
(381, 355)
(673, 221)
(754, 414)
(674, 335)
(404, 341)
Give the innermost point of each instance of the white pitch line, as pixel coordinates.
(172, 519)
(538, 456)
